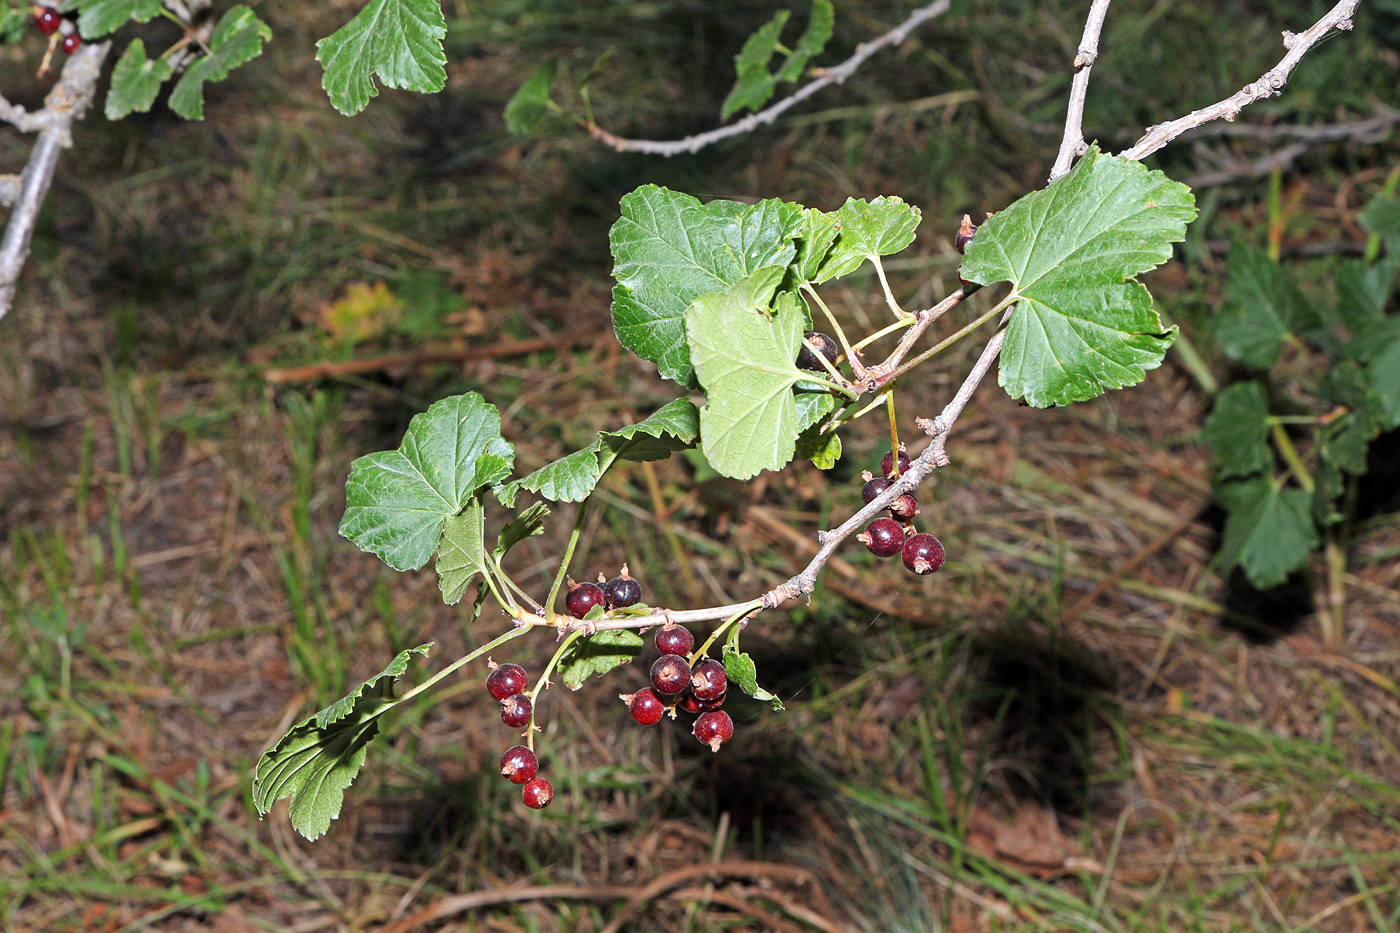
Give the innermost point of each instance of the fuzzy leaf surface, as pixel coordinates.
(136, 81)
(1082, 323)
(400, 41)
(1262, 307)
(461, 552)
(1238, 430)
(397, 500)
(597, 654)
(869, 229)
(319, 758)
(237, 39)
(815, 233)
(669, 249)
(744, 359)
(1269, 532)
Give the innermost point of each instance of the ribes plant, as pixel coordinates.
(719, 296)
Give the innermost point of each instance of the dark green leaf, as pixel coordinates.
(1238, 430)
(136, 81)
(529, 105)
(1083, 324)
(740, 669)
(1262, 307)
(1364, 290)
(1382, 216)
(398, 40)
(815, 233)
(1344, 439)
(1329, 484)
(461, 552)
(755, 83)
(823, 448)
(237, 39)
(1269, 531)
(597, 654)
(1384, 373)
(569, 479)
(97, 18)
(811, 42)
(869, 229)
(529, 523)
(314, 762)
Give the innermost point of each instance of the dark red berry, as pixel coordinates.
(714, 728)
(923, 553)
(645, 706)
(583, 597)
(673, 639)
(622, 591)
(691, 704)
(887, 463)
(708, 680)
(506, 680)
(670, 674)
(966, 230)
(519, 764)
(806, 359)
(47, 20)
(883, 537)
(537, 794)
(874, 486)
(516, 711)
(70, 43)
(904, 508)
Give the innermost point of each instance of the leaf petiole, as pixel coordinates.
(724, 626)
(549, 614)
(955, 337)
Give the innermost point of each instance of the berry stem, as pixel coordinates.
(464, 660)
(543, 682)
(549, 614)
(923, 320)
(851, 357)
(884, 332)
(720, 629)
(955, 337)
(894, 434)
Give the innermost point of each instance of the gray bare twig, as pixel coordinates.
(1074, 143)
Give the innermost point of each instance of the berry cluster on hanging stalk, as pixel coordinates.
(723, 297)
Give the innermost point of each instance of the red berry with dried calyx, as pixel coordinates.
(692, 704)
(923, 553)
(622, 591)
(714, 728)
(887, 463)
(966, 231)
(70, 43)
(506, 680)
(47, 20)
(519, 764)
(883, 537)
(537, 793)
(708, 681)
(674, 639)
(646, 706)
(670, 674)
(516, 711)
(874, 486)
(827, 347)
(582, 598)
(904, 508)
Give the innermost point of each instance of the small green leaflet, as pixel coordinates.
(1345, 439)
(397, 500)
(1382, 216)
(320, 757)
(869, 230)
(1270, 531)
(811, 42)
(398, 40)
(669, 249)
(597, 654)
(1363, 291)
(237, 39)
(136, 81)
(755, 83)
(461, 552)
(528, 524)
(744, 359)
(1082, 323)
(1262, 307)
(1238, 430)
(572, 477)
(529, 105)
(740, 669)
(823, 448)
(97, 18)
(816, 232)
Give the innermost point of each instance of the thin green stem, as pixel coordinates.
(885, 286)
(1290, 453)
(874, 404)
(884, 332)
(829, 366)
(724, 626)
(847, 391)
(851, 356)
(894, 435)
(464, 660)
(549, 613)
(543, 682)
(1291, 419)
(949, 341)
(519, 591)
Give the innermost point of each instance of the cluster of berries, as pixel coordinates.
(618, 593)
(886, 537)
(677, 684)
(49, 21)
(507, 683)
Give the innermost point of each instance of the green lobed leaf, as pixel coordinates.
(815, 233)
(529, 105)
(1269, 531)
(823, 448)
(813, 39)
(136, 81)
(740, 669)
(528, 524)
(1383, 372)
(397, 500)
(461, 552)
(744, 359)
(400, 41)
(236, 40)
(670, 249)
(1082, 323)
(1345, 439)
(97, 18)
(1262, 307)
(1382, 216)
(1238, 430)
(597, 654)
(869, 229)
(755, 82)
(569, 479)
(813, 405)
(1364, 290)
(318, 758)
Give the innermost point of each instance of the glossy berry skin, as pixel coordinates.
(537, 793)
(622, 591)
(714, 728)
(883, 537)
(516, 711)
(646, 706)
(873, 488)
(923, 553)
(506, 680)
(691, 704)
(708, 681)
(806, 359)
(582, 598)
(47, 20)
(674, 639)
(519, 764)
(887, 464)
(70, 43)
(904, 508)
(670, 674)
